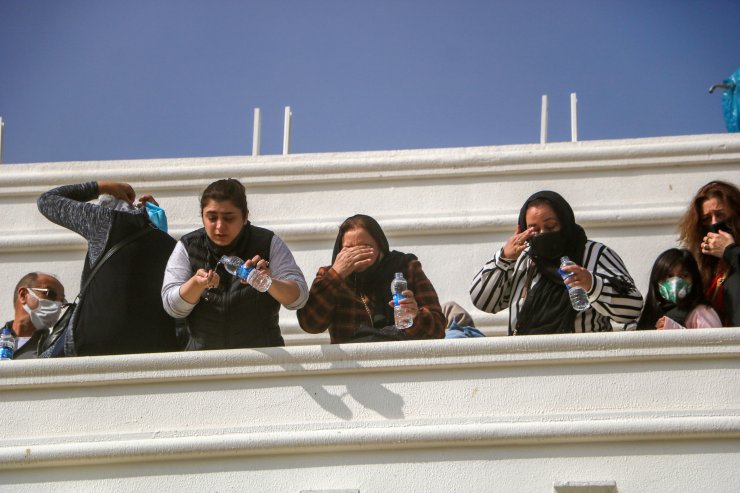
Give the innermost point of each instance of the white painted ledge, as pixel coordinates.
(383, 437)
(172, 174)
(571, 349)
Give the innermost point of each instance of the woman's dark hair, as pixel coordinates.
(662, 268)
(691, 230)
(226, 190)
(368, 224)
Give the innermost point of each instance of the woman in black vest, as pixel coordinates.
(221, 311)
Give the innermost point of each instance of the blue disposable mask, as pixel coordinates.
(157, 216)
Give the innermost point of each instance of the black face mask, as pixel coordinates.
(720, 226)
(548, 245)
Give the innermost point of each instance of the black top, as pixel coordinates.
(233, 315)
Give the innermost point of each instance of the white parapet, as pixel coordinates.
(640, 411)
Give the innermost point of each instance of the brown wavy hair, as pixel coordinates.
(692, 231)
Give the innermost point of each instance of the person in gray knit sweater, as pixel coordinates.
(121, 311)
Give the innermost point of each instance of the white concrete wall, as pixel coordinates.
(451, 207)
(648, 412)
(621, 412)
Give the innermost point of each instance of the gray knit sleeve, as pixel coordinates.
(68, 207)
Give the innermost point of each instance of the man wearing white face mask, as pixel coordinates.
(37, 302)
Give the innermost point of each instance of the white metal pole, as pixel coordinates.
(573, 117)
(543, 120)
(286, 131)
(256, 132)
(1, 138)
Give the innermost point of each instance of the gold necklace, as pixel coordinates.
(367, 309)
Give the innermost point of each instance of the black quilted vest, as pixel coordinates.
(234, 315)
(121, 311)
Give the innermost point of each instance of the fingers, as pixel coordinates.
(518, 242)
(727, 236)
(715, 243)
(581, 277)
(207, 278)
(257, 262)
(409, 302)
(214, 279)
(359, 256)
(147, 198)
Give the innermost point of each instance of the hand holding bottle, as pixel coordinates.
(408, 303)
(404, 305)
(259, 277)
(580, 278)
(576, 291)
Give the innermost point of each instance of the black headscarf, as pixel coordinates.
(547, 308)
(375, 281)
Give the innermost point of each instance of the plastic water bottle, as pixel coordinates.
(578, 297)
(7, 344)
(403, 318)
(255, 278)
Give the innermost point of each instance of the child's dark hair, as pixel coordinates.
(664, 264)
(228, 189)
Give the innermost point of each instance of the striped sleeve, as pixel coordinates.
(613, 293)
(492, 286)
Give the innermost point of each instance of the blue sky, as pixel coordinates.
(129, 79)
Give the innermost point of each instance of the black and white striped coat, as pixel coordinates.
(501, 282)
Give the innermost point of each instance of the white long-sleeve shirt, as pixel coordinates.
(501, 282)
(282, 267)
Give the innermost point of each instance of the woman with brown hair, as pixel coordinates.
(708, 230)
(223, 312)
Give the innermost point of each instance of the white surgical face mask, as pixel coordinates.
(45, 314)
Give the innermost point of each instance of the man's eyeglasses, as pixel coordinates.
(51, 293)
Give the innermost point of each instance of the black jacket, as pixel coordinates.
(731, 287)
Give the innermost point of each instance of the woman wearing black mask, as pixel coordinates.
(523, 275)
(708, 230)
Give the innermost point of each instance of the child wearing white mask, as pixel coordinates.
(675, 299)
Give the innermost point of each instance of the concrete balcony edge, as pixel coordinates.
(596, 348)
(384, 437)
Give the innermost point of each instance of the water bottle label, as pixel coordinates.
(6, 353)
(398, 297)
(565, 275)
(243, 272)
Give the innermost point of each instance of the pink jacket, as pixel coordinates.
(701, 317)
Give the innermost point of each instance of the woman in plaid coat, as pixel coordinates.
(352, 295)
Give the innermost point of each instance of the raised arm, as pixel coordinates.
(492, 286)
